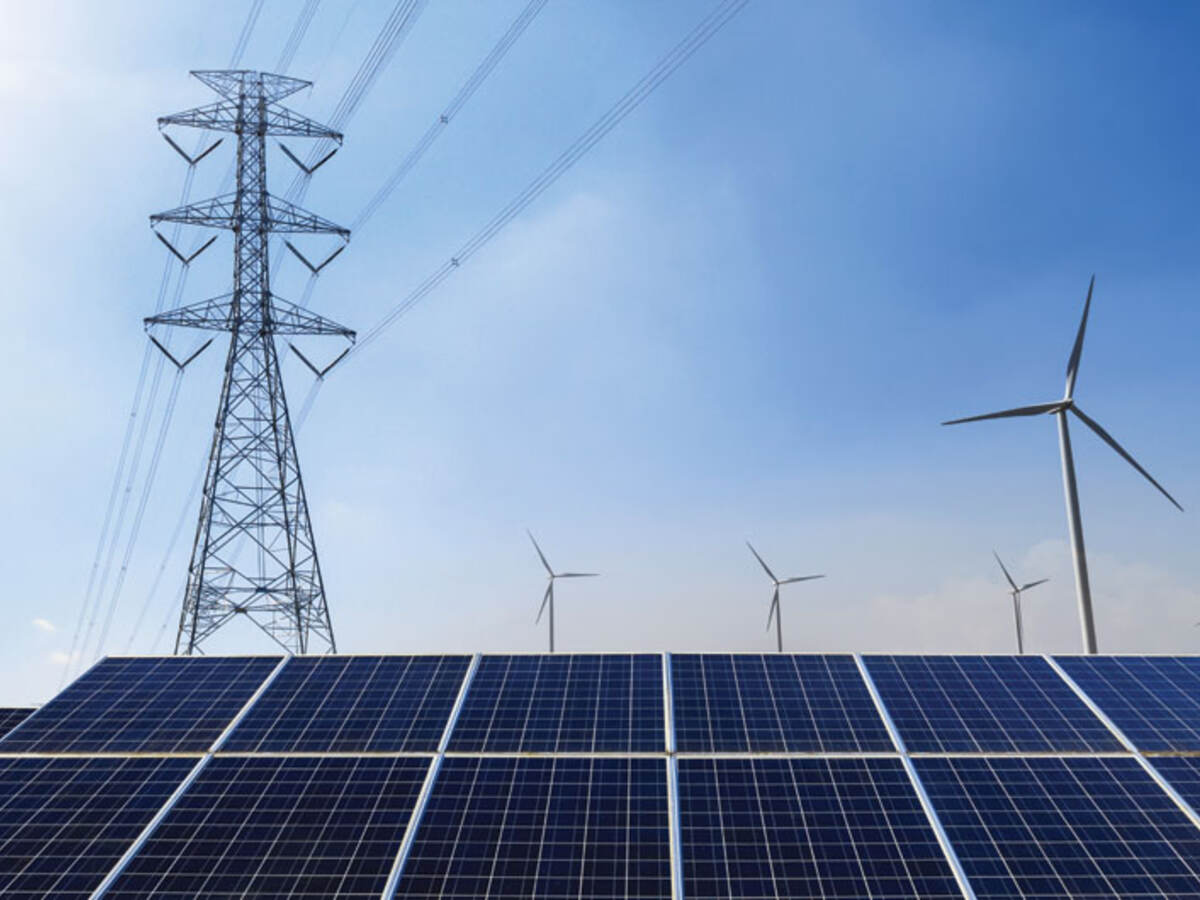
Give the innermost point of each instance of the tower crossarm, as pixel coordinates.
(223, 116)
(217, 314)
(221, 212)
(231, 83)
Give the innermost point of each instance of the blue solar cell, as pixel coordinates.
(280, 827)
(11, 718)
(1063, 827)
(353, 703)
(948, 704)
(543, 827)
(575, 703)
(844, 827)
(65, 822)
(1154, 700)
(773, 702)
(156, 704)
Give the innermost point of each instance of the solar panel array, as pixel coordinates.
(608, 776)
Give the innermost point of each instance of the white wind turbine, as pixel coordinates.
(548, 598)
(1060, 408)
(1016, 595)
(775, 612)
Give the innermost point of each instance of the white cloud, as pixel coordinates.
(45, 625)
(60, 658)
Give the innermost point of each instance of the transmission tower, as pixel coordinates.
(253, 503)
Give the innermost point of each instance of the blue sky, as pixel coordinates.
(741, 316)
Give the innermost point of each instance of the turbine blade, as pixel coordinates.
(1077, 350)
(1010, 413)
(540, 554)
(1111, 441)
(1004, 570)
(770, 574)
(1033, 584)
(545, 600)
(774, 606)
(577, 575)
(801, 578)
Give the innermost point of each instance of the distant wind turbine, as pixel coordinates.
(548, 598)
(775, 612)
(1016, 595)
(1060, 408)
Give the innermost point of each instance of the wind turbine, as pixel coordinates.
(775, 612)
(548, 598)
(1060, 408)
(1016, 595)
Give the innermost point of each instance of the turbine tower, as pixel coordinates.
(548, 597)
(1060, 408)
(1016, 595)
(254, 502)
(775, 611)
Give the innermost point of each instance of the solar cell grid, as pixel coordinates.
(766, 828)
(949, 704)
(773, 702)
(1154, 700)
(546, 827)
(11, 718)
(65, 822)
(156, 704)
(272, 827)
(1063, 827)
(564, 703)
(353, 703)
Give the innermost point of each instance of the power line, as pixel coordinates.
(478, 77)
(297, 36)
(632, 98)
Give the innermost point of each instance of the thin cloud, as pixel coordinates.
(45, 625)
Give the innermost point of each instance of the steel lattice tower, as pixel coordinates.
(254, 496)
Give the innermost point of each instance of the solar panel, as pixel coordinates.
(985, 703)
(563, 703)
(157, 704)
(64, 822)
(280, 827)
(810, 827)
(1154, 700)
(11, 718)
(773, 702)
(551, 827)
(353, 703)
(1063, 827)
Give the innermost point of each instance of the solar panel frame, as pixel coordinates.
(807, 826)
(559, 703)
(985, 704)
(249, 825)
(508, 826)
(783, 703)
(1153, 700)
(66, 821)
(174, 704)
(1063, 826)
(354, 704)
